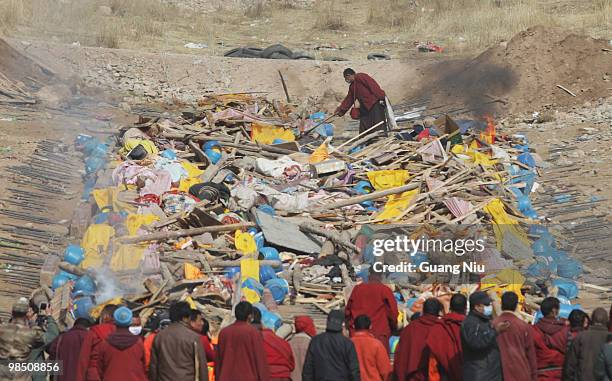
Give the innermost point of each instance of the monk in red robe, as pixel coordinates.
(376, 301)
(371, 97)
(412, 354)
(550, 336)
(516, 345)
(240, 353)
(88, 362)
(444, 342)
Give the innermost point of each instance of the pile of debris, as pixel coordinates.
(245, 198)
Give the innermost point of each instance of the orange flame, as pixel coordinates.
(488, 135)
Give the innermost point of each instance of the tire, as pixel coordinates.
(279, 56)
(254, 52)
(277, 48)
(230, 53)
(301, 56)
(243, 53)
(335, 59)
(378, 57)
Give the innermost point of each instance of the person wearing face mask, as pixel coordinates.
(550, 335)
(136, 327)
(516, 345)
(481, 358)
(121, 356)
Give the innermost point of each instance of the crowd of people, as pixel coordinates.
(454, 342)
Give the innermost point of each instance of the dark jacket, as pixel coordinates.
(481, 359)
(603, 364)
(331, 357)
(121, 357)
(583, 352)
(174, 354)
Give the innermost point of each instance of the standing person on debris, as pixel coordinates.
(240, 354)
(550, 335)
(375, 300)
(278, 354)
(374, 362)
(331, 356)
(444, 342)
(516, 344)
(18, 339)
(305, 330)
(603, 364)
(481, 359)
(581, 356)
(67, 347)
(412, 354)
(177, 353)
(88, 362)
(121, 355)
(371, 97)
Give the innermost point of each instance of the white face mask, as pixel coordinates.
(488, 310)
(135, 330)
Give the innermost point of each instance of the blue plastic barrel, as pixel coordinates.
(271, 320)
(266, 273)
(82, 307)
(567, 288)
(254, 285)
(59, 280)
(85, 284)
(270, 253)
(279, 289)
(74, 254)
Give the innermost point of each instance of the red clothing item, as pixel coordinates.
(374, 364)
(517, 349)
(550, 337)
(444, 343)
(67, 348)
(121, 357)
(279, 355)
(88, 362)
(306, 325)
(412, 354)
(375, 300)
(240, 355)
(208, 349)
(367, 91)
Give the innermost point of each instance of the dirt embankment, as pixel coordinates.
(526, 73)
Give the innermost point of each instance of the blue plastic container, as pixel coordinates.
(567, 288)
(278, 141)
(74, 254)
(268, 209)
(213, 155)
(85, 284)
(570, 269)
(230, 272)
(266, 273)
(254, 285)
(363, 187)
(211, 144)
(271, 320)
(59, 280)
(82, 307)
(270, 253)
(527, 159)
(279, 289)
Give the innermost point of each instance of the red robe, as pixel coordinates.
(121, 357)
(279, 355)
(67, 348)
(517, 349)
(550, 337)
(88, 362)
(412, 354)
(209, 350)
(444, 343)
(367, 91)
(375, 300)
(240, 354)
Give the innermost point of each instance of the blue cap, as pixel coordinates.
(123, 317)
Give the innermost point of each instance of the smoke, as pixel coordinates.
(109, 286)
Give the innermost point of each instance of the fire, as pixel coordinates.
(488, 135)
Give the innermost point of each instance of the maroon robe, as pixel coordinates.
(444, 343)
(241, 355)
(365, 89)
(412, 354)
(375, 300)
(88, 362)
(517, 349)
(66, 348)
(550, 338)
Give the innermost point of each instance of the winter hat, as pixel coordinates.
(306, 325)
(123, 317)
(479, 297)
